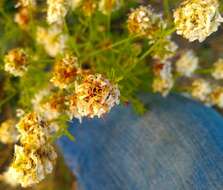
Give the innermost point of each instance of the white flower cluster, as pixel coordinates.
(94, 96)
(107, 6)
(35, 157)
(143, 21)
(16, 62)
(187, 63)
(163, 81)
(57, 10)
(52, 39)
(197, 19)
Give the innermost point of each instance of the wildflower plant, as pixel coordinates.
(77, 59)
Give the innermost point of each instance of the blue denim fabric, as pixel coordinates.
(176, 145)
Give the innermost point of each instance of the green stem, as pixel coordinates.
(111, 46)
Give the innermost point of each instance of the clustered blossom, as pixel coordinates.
(22, 17)
(52, 39)
(94, 96)
(57, 10)
(201, 89)
(75, 4)
(49, 105)
(107, 6)
(8, 132)
(197, 19)
(163, 80)
(26, 3)
(35, 157)
(187, 63)
(144, 22)
(88, 7)
(217, 72)
(16, 62)
(216, 97)
(65, 71)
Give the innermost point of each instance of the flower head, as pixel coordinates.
(88, 7)
(30, 166)
(216, 97)
(107, 6)
(95, 96)
(65, 71)
(26, 3)
(143, 21)
(163, 80)
(52, 39)
(16, 62)
(200, 89)
(8, 132)
(34, 130)
(49, 104)
(57, 10)
(22, 17)
(197, 19)
(217, 72)
(187, 63)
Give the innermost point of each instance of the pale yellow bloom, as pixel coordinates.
(8, 132)
(22, 17)
(107, 6)
(34, 130)
(57, 10)
(30, 166)
(217, 72)
(26, 3)
(95, 96)
(163, 81)
(16, 62)
(143, 21)
(187, 63)
(53, 40)
(88, 7)
(49, 104)
(65, 71)
(75, 3)
(216, 97)
(197, 19)
(201, 89)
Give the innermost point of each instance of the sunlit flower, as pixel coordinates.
(26, 3)
(16, 62)
(88, 7)
(75, 3)
(216, 97)
(30, 166)
(22, 17)
(163, 80)
(143, 21)
(8, 132)
(200, 89)
(34, 130)
(107, 6)
(95, 96)
(65, 71)
(49, 104)
(53, 40)
(217, 72)
(187, 63)
(197, 19)
(57, 10)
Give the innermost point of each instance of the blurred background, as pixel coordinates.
(62, 179)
